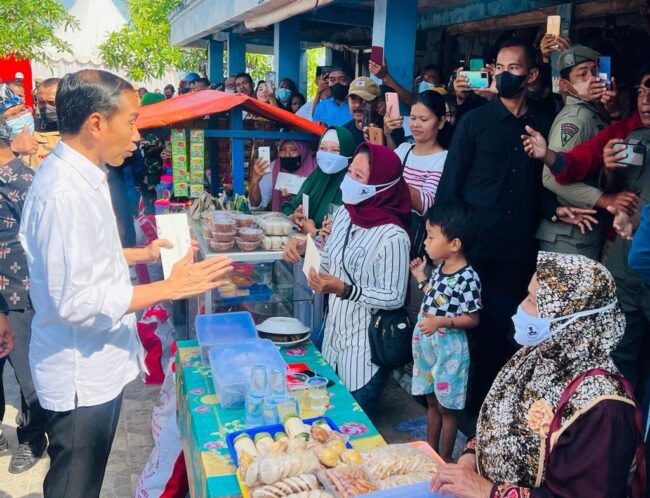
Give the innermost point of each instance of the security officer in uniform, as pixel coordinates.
(588, 108)
(46, 130)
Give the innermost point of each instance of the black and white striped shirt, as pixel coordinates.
(378, 261)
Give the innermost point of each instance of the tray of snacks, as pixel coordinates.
(283, 460)
(243, 237)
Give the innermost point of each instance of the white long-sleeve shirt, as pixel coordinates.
(378, 261)
(84, 345)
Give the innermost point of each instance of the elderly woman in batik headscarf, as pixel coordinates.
(559, 420)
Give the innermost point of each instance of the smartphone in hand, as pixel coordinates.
(554, 25)
(375, 135)
(477, 79)
(265, 153)
(377, 55)
(270, 79)
(605, 70)
(392, 105)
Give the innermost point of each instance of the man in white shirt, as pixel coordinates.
(84, 347)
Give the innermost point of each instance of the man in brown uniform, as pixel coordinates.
(46, 127)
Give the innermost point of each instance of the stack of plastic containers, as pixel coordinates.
(229, 344)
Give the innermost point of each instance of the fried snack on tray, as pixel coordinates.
(272, 469)
(317, 493)
(287, 487)
(404, 480)
(396, 459)
(347, 481)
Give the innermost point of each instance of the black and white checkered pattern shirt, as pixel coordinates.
(452, 295)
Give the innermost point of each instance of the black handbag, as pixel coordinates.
(389, 333)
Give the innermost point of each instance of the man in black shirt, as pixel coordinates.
(488, 168)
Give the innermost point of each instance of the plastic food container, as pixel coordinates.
(244, 220)
(218, 329)
(223, 224)
(206, 231)
(231, 368)
(221, 246)
(245, 245)
(251, 234)
(223, 236)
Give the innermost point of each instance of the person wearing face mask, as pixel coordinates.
(294, 158)
(364, 267)
(334, 111)
(586, 102)
(335, 149)
(46, 130)
(19, 120)
(560, 399)
(603, 152)
(286, 89)
(487, 167)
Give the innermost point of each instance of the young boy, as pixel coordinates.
(451, 305)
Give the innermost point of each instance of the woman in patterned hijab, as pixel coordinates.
(522, 449)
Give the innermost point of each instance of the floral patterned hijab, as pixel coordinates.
(515, 416)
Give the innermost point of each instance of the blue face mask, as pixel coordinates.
(424, 86)
(283, 94)
(18, 123)
(532, 330)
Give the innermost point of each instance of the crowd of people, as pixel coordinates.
(499, 227)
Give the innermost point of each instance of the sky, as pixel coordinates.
(120, 4)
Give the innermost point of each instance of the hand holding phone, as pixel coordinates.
(477, 79)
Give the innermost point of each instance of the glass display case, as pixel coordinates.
(263, 284)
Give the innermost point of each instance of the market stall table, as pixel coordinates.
(204, 425)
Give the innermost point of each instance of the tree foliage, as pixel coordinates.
(315, 57)
(142, 47)
(27, 28)
(258, 64)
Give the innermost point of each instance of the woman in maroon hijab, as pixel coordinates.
(364, 267)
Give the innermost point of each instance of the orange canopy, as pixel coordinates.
(199, 104)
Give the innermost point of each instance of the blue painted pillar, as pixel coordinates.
(238, 179)
(236, 54)
(303, 81)
(394, 26)
(215, 61)
(286, 49)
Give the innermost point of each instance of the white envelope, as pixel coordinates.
(291, 182)
(305, 205)
(312, 257)
(174, 228)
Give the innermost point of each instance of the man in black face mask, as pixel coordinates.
(46, 127)
(334, 111)
(488, 168)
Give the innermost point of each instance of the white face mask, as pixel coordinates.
(533, 330)
(581, 90)
(355, 192)
(331, 162)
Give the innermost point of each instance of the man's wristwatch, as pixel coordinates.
(347, 290)
(555, 218)
(422, 284)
